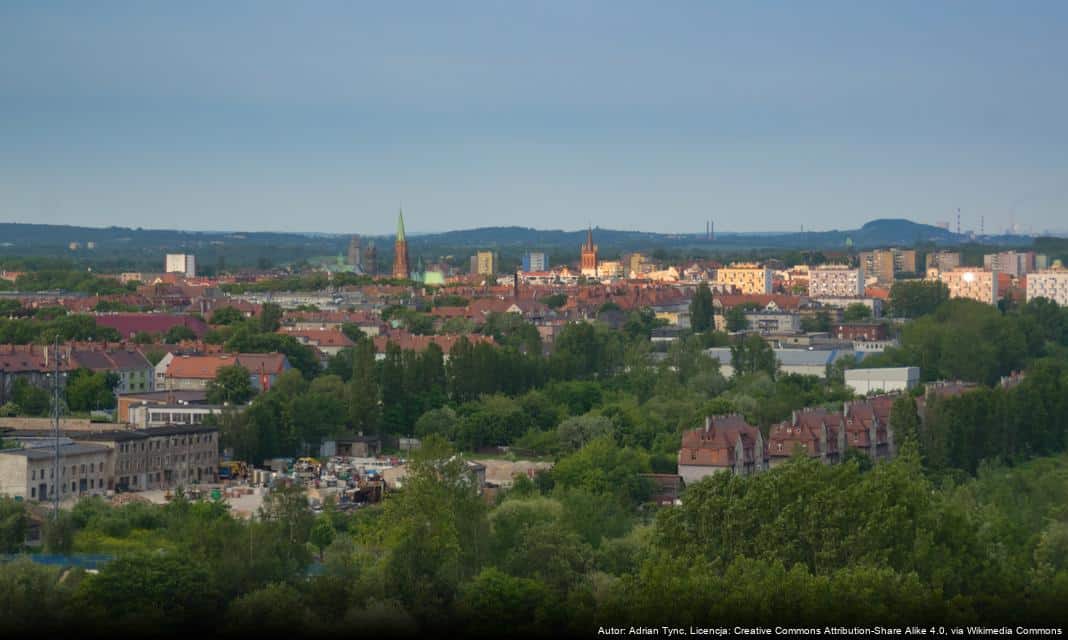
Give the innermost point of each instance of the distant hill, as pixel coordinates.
(119, 247)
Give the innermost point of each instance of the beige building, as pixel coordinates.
(30, 473)
(943, 260)
(182, 263)
(976, 284)
(1050, 283)
(486, 263)
(836, 281)
(746, 278)
(159, 457)
(609, 270)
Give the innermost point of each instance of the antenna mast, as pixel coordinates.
(55, 427)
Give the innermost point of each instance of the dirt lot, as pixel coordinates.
(501, 472)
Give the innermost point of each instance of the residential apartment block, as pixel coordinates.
(726, 443)
(745, 278)
(193, 373)
(884, 263)
(1015, 263)
(943, 260)
(1049, 283)
(836, 281)
(534, 261)
(976, 284)
(182, 263)
(486, 263)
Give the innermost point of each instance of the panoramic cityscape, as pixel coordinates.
(621, 378)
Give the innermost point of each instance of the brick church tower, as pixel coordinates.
(400, 251)
(589, 256)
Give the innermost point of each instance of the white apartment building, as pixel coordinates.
(746, 278)
(182, 263)
(835, 281)
(976, 284)
(1050, 283)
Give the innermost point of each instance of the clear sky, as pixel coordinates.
(324, 116)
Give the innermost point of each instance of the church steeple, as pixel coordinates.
(400, 225)
(589, 255)
(401, 269)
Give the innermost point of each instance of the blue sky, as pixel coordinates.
(324, 116)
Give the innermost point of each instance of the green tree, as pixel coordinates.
(30, 399)
(232, 384)
(735, 318)
(435, 530)
(227, 316)
(915, 298)
(270, 318)
(495, 600)
(364, 409)
(753, 355)
(441, 422)
(179, 333)
(576, 431)
(322, 534)
(87, 391)
(145, 590)
(13, 524)
(554, 301)
(276, 607)
(856, 312)
(701, 309)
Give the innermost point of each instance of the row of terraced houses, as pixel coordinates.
(730, 443)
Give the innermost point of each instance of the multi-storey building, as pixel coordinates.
(1011, 262)
(884, 263)
(836, 281)
(768, 322)
(943, 260)
(533, 261)
(726, 443)
(610, 270)
(1050, 283)
(976, 284)
(29, 473)
(193, 373)
(159, 457)
(486, 263)
(134, 372)
(745, 278)
(182, 263)
(814, 432)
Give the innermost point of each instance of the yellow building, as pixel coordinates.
(487, 263)
(746, 278)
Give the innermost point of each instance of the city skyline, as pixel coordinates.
(275, 117)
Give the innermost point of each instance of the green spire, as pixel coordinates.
(400, 225)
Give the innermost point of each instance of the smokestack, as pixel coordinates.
(708, 423)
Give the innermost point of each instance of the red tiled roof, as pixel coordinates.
(129, 324)
(714, 445)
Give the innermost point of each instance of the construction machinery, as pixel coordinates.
(233, 470)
